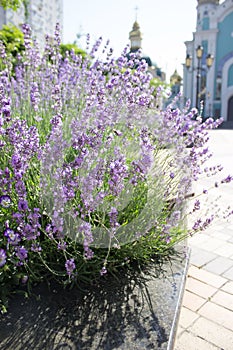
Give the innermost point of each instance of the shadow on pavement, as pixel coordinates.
(134, 312)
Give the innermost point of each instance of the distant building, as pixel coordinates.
(175, 89)
(41, 15)
(214, 33)
(135, 37)
(175, 82)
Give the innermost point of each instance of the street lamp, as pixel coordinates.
(199, 68)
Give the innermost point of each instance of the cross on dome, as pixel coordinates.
(136, 13)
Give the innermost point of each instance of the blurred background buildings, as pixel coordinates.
(135, 37)
(208, 70)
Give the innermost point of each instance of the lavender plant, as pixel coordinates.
(94, 175)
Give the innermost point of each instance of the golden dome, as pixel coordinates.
(175, 78)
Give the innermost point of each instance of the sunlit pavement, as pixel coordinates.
(206, 319)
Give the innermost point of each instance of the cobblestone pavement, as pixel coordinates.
(206, 319)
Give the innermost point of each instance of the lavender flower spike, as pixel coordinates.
(70, 266)
(2, 257)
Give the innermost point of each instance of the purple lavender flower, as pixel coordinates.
(36, 247)
(22, 205)
(24, 279)
(103, 271)
(2, 51)
(21, 253)
(5, 201)
(29, 230)
(62, 246)
(92, 113)
(6, 108)
(166, 229)
(113, 217)
(175, 217)
(197, 205)
(16, 161)
(85, 229)
(197, 225)
(70, 266)
(207, 222)
(56, 120)
(35, 96)
(2, 257)
(88, 252)
(228, 179)
(118, 172)
(12, 236)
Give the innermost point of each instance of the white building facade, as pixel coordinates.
(214, 85)
(41, 15)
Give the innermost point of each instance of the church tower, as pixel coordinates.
(204, 7)
(135, 37)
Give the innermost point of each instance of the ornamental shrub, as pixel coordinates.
(94, 175)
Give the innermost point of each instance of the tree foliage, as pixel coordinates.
(12, 4)
(156, 83)
(69, 47)
(13, 39)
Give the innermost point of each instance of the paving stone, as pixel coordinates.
(198, 240)
(223, 299)
(192, 342)
(228, 287)
(229, 224)
(187, 317)
(219, 265)
(213, 244)
(206, 277)
(221, 337)
(200, 257)
(228, 274)
(222, 234)
(200, 288)
(226, 250)
(217, 313)
(180, 330)
(192, 301)
(210, 332)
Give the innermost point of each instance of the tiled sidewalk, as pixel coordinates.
(206, 319)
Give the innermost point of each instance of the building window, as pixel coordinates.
(205, 23)
(217, 113)
(218, 88)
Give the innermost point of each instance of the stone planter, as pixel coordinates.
(140, 310)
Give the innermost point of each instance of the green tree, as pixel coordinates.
(13, 40)
(68, 47)
(12, 4)
(15, 4)
(156, 82)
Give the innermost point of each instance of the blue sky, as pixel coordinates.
(165, 25)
